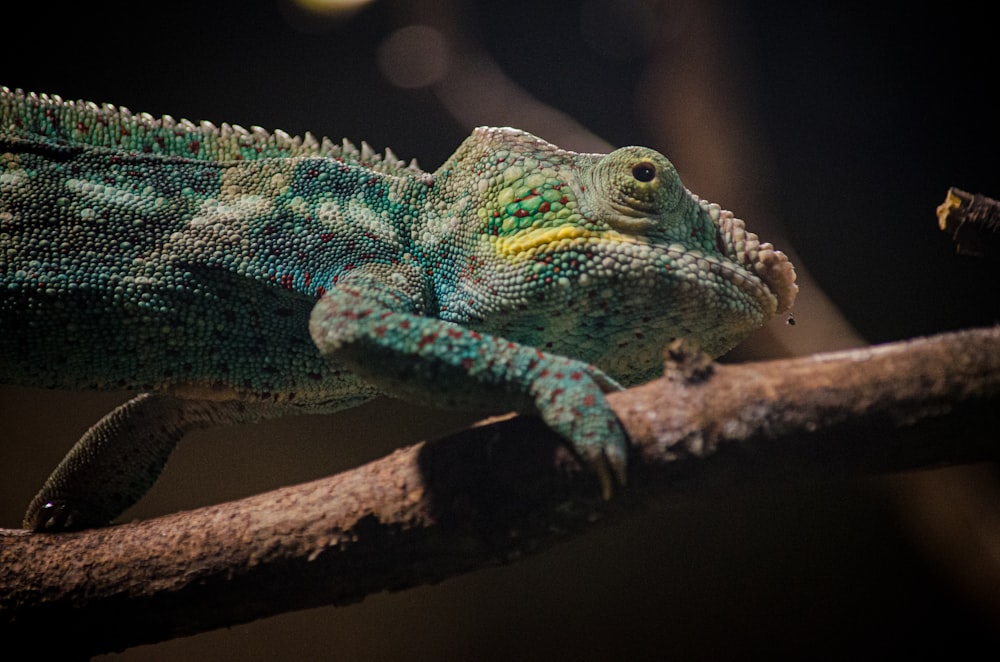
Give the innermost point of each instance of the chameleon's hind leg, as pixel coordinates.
(120, 458)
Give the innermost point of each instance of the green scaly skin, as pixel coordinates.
(229, 275)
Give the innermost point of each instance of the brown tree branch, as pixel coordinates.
(495, 492)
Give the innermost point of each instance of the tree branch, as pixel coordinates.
(973, 221)
(495, 492)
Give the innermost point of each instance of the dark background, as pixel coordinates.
(834, 131)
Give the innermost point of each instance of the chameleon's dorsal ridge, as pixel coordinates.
(238, 274)
(116, 127)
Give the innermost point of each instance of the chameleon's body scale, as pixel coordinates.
(244, 274)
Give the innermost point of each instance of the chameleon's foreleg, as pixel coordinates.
(371, 324)
(120, 457)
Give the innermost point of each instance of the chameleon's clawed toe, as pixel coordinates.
(609, 463)
(51, 516)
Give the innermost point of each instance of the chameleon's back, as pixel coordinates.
(127, 242)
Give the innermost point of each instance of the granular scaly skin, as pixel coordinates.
(232, 275)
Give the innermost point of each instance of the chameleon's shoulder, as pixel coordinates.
(47, 120)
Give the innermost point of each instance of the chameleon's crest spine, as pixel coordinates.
(49, 119)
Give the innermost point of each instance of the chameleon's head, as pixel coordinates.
(607, 257)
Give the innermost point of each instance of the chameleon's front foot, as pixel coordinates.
(423, 359)
(571, 402)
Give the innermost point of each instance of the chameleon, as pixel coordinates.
(226, 275)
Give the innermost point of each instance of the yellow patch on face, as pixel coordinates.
(521, 243)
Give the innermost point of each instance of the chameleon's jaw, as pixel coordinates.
(755, 272)
(756, 269)
(636, 294)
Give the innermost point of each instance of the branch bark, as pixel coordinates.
(973, 221)
(498, 491)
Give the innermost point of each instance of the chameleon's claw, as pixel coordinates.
(617, 459)
(609, 462)
(569, 396)
(602, 466)
(51, 516)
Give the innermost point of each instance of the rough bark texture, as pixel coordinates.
(495, 492)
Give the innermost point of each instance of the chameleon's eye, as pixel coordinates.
(638, 189)
(644, 171)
